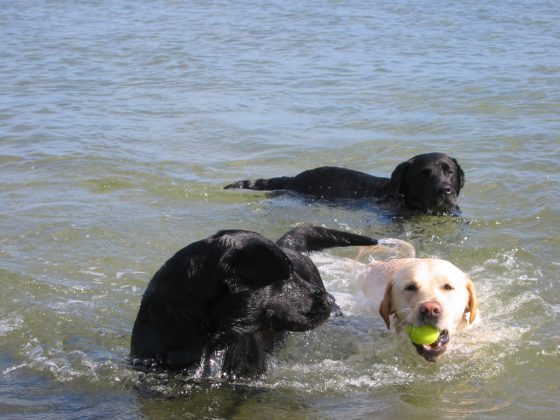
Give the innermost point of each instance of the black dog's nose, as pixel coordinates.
(446, 190)
(329, 300)
(324, 298)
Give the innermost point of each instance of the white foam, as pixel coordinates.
(10, 323)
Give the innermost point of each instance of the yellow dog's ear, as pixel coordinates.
(473, 302)
(386, 308)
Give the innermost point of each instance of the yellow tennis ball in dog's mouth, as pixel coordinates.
(425, 334)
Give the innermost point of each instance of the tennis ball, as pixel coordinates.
(426, 334)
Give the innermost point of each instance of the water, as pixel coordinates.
(121, 121)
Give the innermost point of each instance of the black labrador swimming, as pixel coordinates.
(430, 182)
(234, 291)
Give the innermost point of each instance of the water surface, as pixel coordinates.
(120, 122)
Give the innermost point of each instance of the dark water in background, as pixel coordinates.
(121, 121)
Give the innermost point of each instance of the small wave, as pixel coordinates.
(10, 323)
(73, 365)
(337, 375)
(93, 273)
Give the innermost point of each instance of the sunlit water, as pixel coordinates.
(121, 121)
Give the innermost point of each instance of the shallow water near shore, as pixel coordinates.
(120, 123)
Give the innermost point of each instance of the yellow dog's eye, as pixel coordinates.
(448, 287)
(411, 288)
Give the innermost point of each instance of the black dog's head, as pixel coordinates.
(300, 302)
(266, 287)
(429, 182)
(223, 287)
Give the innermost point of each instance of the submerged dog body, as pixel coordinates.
(428, 182)
(234, 291)
(420, 291)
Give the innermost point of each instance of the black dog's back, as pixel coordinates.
(326, 182)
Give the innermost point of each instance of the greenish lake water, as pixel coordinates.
(120, 122)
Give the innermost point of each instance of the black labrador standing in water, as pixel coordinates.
(234, 291)
(430, 182)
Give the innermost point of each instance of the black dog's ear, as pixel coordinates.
(397, 184)
(255, 262)
(460, 176)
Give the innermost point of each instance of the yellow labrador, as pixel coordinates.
(420, 291)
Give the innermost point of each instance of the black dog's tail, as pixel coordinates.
(280, 183)
(315, 238)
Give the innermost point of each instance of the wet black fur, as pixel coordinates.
(234, 291)
(429, 182)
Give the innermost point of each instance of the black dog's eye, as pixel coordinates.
(425, 173)
(411, 288)
(447, 170)
(448, 287)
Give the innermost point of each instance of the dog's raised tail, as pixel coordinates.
(317, 238)
(280, 183)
